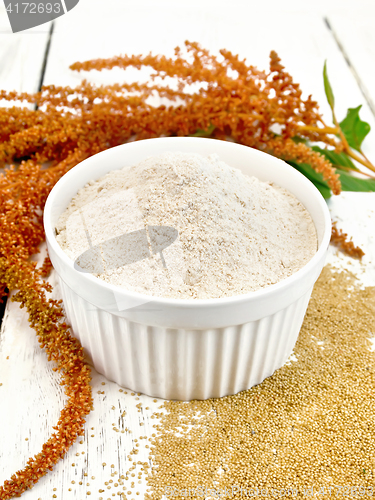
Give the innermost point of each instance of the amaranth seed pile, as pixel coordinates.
(235, 233)
(310, 425)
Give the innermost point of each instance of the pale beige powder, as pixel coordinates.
(236, 234)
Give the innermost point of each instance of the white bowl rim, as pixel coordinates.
(187, 303)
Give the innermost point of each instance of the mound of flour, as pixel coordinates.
(228, 233)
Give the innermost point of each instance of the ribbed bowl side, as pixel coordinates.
(184, 364)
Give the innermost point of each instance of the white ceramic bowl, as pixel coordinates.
(188, 348)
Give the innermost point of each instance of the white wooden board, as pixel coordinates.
(21, 56)
(302, 40)
(30, 395)
(32, 398)
(357, 37)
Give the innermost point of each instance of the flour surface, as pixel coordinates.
(235, 233)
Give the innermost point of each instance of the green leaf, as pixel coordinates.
(354, 129)
(348, 181)
(314, 177)
(204, 133)
(336, 159)
(351, 183)
(327, 87)
(299, 140)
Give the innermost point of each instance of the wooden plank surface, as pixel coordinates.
(31, 401)
(303, 41)
(357, 38)
(31, 397)
(21, 55)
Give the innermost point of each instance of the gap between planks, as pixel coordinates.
(351, 66)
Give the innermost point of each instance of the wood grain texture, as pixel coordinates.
(302, 40)
(31, 399)
(30, 394)
(21, 56)
(357, 39)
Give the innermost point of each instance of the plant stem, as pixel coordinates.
(320, 130)
(364, 156)
(10, 186)
(360, 159)
(358, 171)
